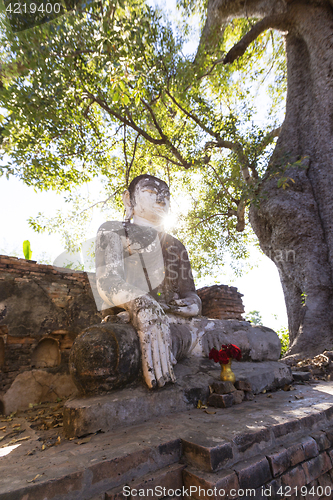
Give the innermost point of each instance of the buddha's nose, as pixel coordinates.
(160, 198)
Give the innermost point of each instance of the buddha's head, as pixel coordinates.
(147, 200)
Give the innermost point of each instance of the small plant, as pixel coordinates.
(283, 333)
(27, 250)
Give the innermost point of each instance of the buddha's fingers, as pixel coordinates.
(166, 354)
(155, 341)
(147, 360)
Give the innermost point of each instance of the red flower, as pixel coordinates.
(223, 357)
(225, 353)
(214, 354)
(234, 352)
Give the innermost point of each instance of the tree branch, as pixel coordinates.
(130, 122)
(243, 160)
(277, 22)
(269, 137)
(223, 186)
(201, 221)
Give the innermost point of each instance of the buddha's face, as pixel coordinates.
(151, 200)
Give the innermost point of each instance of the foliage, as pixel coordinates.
(109, 91)
(27, 250)
(254, 317)
(283, 333)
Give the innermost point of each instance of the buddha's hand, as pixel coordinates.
(187, 306)
(153, 329)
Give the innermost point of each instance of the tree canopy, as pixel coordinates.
(111, 91)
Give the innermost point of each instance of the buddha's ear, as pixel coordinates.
(128, 205)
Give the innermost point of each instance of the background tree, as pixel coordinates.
(113, 80)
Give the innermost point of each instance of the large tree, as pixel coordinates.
(297, 219)
(80, 88)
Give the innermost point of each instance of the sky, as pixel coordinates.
(261, 286)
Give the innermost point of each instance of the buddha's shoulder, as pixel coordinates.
(133, 231)
(171, 241)
(111, 226)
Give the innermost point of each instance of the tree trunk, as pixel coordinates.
(294, 225)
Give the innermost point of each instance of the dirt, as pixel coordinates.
(320, 366)
(43, 422)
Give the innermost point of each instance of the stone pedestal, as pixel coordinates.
(137, 404)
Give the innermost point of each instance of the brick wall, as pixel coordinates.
(221, 302)
(38, 302)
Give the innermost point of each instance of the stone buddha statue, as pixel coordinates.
(143, 276)
(146, 272)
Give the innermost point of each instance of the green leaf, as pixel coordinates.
(27, 250)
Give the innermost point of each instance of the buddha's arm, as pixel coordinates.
(189, 303)
(147, 316)
(110, 272)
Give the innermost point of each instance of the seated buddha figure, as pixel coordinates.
(146, 272)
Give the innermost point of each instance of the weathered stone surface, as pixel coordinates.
(257, 343)
(167, 479)
(279, 461)
(238, 397)
(264, 375)
(316, 467)
(301, 376)
(124, 455)
(254, 441)
(248, 396)
(105, 357)
(206, 454)
(225, 482)
(221, 302)
(221, 400)
(134, 405)
(36, 386)
(243, 385)
(295, 478)
(322, 440)
(223, 387)
(253, 473)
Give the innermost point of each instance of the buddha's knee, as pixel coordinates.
(105, 357)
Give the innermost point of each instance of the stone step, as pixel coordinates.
(212, 453)
(164, 483)
(291, 470)
(79, 479)
(135, 405)
(85, 470)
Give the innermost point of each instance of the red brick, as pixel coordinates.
(302, 451)
(169, 478)
(243, 385)
(225, 480)
(207, 456)
(253, 473)
(316, 467)
(117, 467)
(329, 434)
(312, 494)
(279, 461)
(223, 387)
(294, 478)
(322, 441)
(221, 400)
(238, 397)
(310, 448)
(325, 481)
